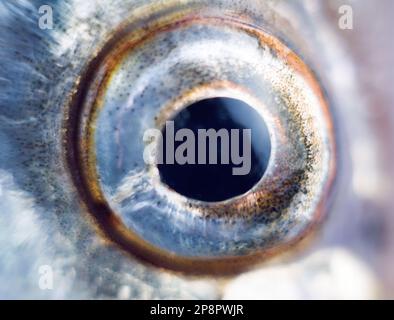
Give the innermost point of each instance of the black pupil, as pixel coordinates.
(216, 182)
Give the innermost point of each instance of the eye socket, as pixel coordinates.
(151, 70)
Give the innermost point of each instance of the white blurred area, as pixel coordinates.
(327, 274)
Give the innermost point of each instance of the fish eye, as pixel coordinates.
(200, 69)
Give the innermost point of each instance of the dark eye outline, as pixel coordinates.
(82, 168)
